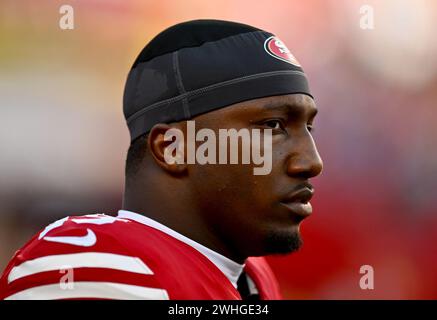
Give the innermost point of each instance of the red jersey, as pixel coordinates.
(104, 257)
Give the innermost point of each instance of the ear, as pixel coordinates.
(167, 146)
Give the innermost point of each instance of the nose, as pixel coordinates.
(304, 161)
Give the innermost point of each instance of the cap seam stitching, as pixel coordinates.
(179, 83)
(203, 90)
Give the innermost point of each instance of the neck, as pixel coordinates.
(181, 219)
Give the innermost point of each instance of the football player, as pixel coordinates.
(190, 230)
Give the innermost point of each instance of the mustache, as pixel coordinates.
(301, 186)
(301, 192)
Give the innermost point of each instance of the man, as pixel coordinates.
(190, 230)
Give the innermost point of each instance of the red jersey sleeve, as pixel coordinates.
(79, 258)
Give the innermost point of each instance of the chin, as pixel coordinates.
(283, 241)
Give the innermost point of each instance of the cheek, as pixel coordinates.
(233, 187)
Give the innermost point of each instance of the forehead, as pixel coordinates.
(290, 103)
(287, 103)
(296, 106)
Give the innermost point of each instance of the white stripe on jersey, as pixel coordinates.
(99, 290)
(79, 260)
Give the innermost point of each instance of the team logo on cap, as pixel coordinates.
(277, 49)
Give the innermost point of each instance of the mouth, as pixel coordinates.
(298, 202)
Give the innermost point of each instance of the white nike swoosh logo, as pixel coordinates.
(85, 241)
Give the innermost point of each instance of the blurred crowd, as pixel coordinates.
(63, 137)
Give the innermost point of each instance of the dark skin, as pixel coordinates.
(226, 207)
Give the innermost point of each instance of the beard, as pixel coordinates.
(283, 242)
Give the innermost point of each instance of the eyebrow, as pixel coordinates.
(289, 107)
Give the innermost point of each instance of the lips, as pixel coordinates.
(301, 209)
(298, 202)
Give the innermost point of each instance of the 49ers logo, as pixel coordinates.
(277, 49)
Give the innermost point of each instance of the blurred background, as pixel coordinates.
(63, 137)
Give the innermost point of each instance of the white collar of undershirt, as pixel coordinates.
(231, 269)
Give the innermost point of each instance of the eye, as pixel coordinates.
(274, 124)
